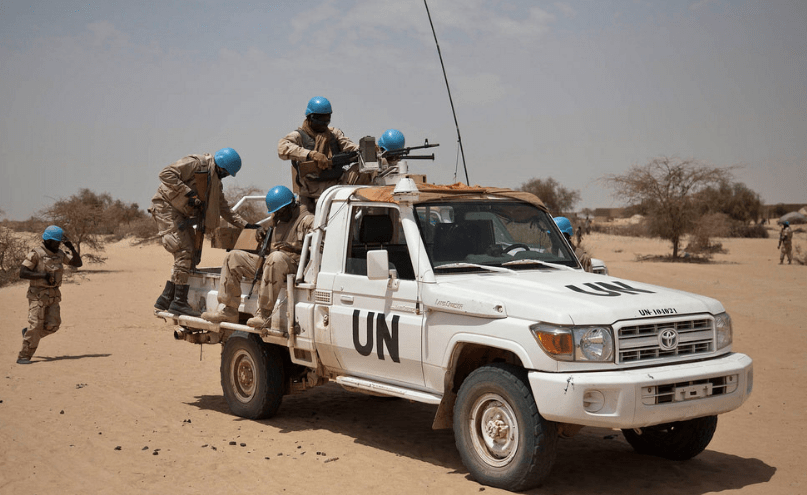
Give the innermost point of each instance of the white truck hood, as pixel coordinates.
(560, 296)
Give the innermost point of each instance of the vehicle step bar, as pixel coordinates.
(197, 323)
(386, 389)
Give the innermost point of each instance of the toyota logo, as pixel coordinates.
(668, 339)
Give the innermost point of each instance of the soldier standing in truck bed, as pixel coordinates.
(176, 203)
(43, 267)
(316, 141)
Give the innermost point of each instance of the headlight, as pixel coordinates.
(723, 330)
(575, 343)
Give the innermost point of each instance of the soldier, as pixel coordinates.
(315, 141)
(290, 224)
(565, 227)
(785, 246)
(176, 203)
(43, 267)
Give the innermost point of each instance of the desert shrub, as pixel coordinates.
(799, 256)
(12, 253)
(143, 229)
(706, 228)
(252, 211)
(749, 231)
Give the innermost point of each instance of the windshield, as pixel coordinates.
(472, 235)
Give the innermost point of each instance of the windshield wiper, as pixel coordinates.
(536, 262)
(474, 265)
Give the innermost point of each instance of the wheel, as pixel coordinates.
(251, 377)
(677, 441)
(502, 439)
(516, 246)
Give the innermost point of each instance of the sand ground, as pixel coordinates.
(112, 404)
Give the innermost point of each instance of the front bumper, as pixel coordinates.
(636, 398)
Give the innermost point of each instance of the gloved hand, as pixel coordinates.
(194, 201)
(252, 226)
(260, 234)
(50, 277)
(322, 160)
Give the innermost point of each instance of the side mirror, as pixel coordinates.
(378, 264)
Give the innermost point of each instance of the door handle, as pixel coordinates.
(346, 299)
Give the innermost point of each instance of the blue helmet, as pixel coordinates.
(391, 140)
(229, 160)
(786, 223)
(565, 225)
(318, 104)
(53, 233)
(278, 197)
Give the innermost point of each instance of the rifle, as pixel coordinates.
(262, 254)
(310, 171)
(404, 152)
(202, 181)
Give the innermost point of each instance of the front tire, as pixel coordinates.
(678, 441)
(251, 377)
(502, 439)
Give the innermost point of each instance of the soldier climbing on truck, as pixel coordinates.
(470, 299)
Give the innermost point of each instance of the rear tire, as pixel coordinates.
(502, 439)
(678, 441)
(251, 377)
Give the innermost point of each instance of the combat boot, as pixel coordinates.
(180, 304)
(259, 321)
(164, 301)
(24, 357)
(226, 314)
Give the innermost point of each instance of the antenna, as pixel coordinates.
(459, 138)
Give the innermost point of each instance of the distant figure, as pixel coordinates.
(785, 246)
(588, 225)
(44, 268)
(566, 228)
(174, 208)
(315, 141)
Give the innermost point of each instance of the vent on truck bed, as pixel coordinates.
(322, 296)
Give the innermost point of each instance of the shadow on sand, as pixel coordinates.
(595, 461)
(48, 359)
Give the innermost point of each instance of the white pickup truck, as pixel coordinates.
(469, 298)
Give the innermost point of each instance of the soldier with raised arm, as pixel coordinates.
(43, 267)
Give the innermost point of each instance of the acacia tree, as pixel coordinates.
(665, 189)
(557, 198)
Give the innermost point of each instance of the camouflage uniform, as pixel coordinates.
(170, 208)
(44, 316)
(296, 145)
(283, 258)
(786, 244)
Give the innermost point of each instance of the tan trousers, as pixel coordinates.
(786, 250)
(240, 264)
(44, 318)
(179, 243)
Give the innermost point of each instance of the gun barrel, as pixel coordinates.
(418, 157)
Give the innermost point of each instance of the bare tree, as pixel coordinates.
(665, 189)
(557, 198)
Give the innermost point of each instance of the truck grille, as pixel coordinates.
(640, 342)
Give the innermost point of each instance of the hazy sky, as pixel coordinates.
(103, 95)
